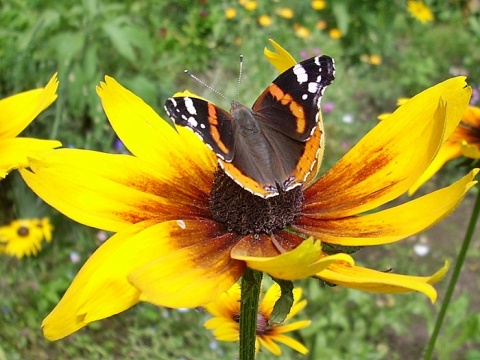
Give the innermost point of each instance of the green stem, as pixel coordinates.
(251, 283)
(456, 273)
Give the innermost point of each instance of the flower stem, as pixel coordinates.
(456, 273)
(251, 283)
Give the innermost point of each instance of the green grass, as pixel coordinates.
(146, 45)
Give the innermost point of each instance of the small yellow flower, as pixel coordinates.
(23, 237)
(226, 312)
(250, 5)
(286, 13)
(375, 59)
(264, 20)
(301, 31)
(230, 13)
(371, 59)
(335, 33)
(16, 113)
(318, 4)
(420, 11)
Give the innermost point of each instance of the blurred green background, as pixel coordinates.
(382, 53)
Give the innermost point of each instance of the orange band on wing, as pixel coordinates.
(295, 108)
(213, 122)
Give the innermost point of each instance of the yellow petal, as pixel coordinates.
(392, 156)
(100, 289)
(280, 58)
(151, 138)
(111, 191)
(304, 261)
(16, 150)
(297, 325)
(17, 111)
(294, 344)
(448, 151)
(381, 282)
(470, 150)
(269, 344)
(389, 225)
(227, 303)
(191, 276)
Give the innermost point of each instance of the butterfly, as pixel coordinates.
(273, 146)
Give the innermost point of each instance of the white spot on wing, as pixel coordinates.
(301, 73)
(192, 122)
(190, 107)
(304, 97)
(312, 87)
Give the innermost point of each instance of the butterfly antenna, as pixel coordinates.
(206, 85)
(239, 76)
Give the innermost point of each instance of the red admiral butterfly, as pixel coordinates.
(274, 146)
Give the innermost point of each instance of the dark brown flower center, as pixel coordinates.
(23, 231)
(245, 213)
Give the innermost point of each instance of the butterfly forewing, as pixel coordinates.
(291, 103)
(211, 123)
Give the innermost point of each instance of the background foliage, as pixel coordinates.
(382, 53)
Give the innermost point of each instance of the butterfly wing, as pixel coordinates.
(211, 123)
(291, 103)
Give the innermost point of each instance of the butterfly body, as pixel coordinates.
(273, 146)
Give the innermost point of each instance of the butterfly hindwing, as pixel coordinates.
(211, 123)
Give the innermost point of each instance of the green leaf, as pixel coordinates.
(284, 303)
(120, 40)
(342, 16)
(67, 45)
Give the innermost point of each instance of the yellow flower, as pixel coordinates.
(264, 20)
(16, 112)
(335, 33)
(318, 4)
(249, 5)
(226, 312)
(170, 249)
(420, 11)
(301, 31)
(464, 141)
(371, 59)
(230, 13)
(23, 237)
(286, 13)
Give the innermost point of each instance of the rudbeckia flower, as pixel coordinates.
(226, 312)
(172, 250)
(23, 237)
(16, 112)
(464, 141)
